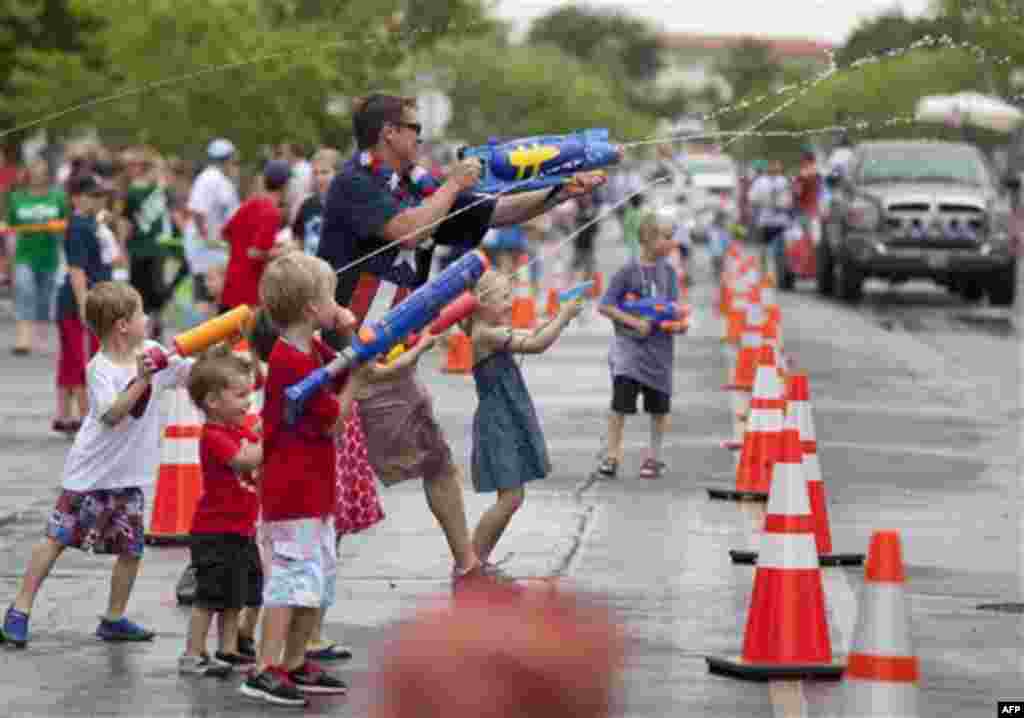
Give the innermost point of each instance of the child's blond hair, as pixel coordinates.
(655, 218)
(327, 156)
(215, 370)
(109, 302)
(291, 283)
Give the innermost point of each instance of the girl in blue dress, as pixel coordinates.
(508, 445)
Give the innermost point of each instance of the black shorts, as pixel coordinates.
(625, 391)
(200, 292)
(147, 277)
(229, 574)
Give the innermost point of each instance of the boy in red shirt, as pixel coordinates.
(251, 232)
(229, 575)
(297, 489)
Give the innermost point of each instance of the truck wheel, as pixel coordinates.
(972, 290)
(1002, 288)
(849, 280)
(823, 269)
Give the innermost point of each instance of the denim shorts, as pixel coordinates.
(33, 293)
(303, 563)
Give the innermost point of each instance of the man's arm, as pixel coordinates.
(524, 206)
(412, 225)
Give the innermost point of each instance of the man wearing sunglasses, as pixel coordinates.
(382, 218)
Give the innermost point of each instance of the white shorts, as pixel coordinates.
(302, 562)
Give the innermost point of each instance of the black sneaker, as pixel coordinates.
(311, 678)
(238, 660)
(608, 468)
(247, 647)
(273, 686)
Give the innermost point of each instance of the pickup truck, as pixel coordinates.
(918, 209)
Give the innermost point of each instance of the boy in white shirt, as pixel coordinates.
(115, 454)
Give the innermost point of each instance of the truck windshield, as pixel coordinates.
(922, 164)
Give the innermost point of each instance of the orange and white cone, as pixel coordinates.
(789, 461)
(767, 388)
(800, 406)
(179, 481)
(761, 449)
(787, 636)
(882, 675)
(524, 308)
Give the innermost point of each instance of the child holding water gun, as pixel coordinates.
(508, 445)
(641, 355)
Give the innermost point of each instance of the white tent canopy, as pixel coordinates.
(971, 108)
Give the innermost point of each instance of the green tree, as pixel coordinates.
(622, 47)
(511, 93)
(176, 72)
(596, 36)
(749, 68)
(38, 35)
(878, 100)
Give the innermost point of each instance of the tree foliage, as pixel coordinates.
(528, 90)
(616, 44)
(36, 35)
(175, 73)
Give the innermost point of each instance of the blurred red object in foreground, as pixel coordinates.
(550, 653)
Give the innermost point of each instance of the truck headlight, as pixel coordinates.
(863, 214)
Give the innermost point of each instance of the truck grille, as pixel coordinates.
(918, 225)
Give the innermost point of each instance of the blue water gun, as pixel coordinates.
(574, 293)
(534, 163)
(412, 315)
(665, 316)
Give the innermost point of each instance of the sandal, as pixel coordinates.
(608, 468)
(652, 469)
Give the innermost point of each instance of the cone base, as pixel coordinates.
(166, 539)
(734, 495)
(736, 667)
(749, 558)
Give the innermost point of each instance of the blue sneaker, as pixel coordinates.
(16, 627)
(122, 630)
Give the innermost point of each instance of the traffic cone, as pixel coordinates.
(787, 635)
(746, 363)
(761, 446)
(179, 481)
(800, 406)
(551, 310)
(882, 676)
(460, 354)
(524, 308)
(786, 462)
(768, 384)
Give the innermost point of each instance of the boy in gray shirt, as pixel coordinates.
(641, 357)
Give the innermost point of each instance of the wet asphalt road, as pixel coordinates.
(918, 419)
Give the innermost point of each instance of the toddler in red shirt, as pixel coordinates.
(298, 478)
(251, 232)
(229, 575)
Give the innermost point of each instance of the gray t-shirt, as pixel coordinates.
(647, 360)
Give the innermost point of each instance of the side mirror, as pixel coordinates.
(832, 181)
